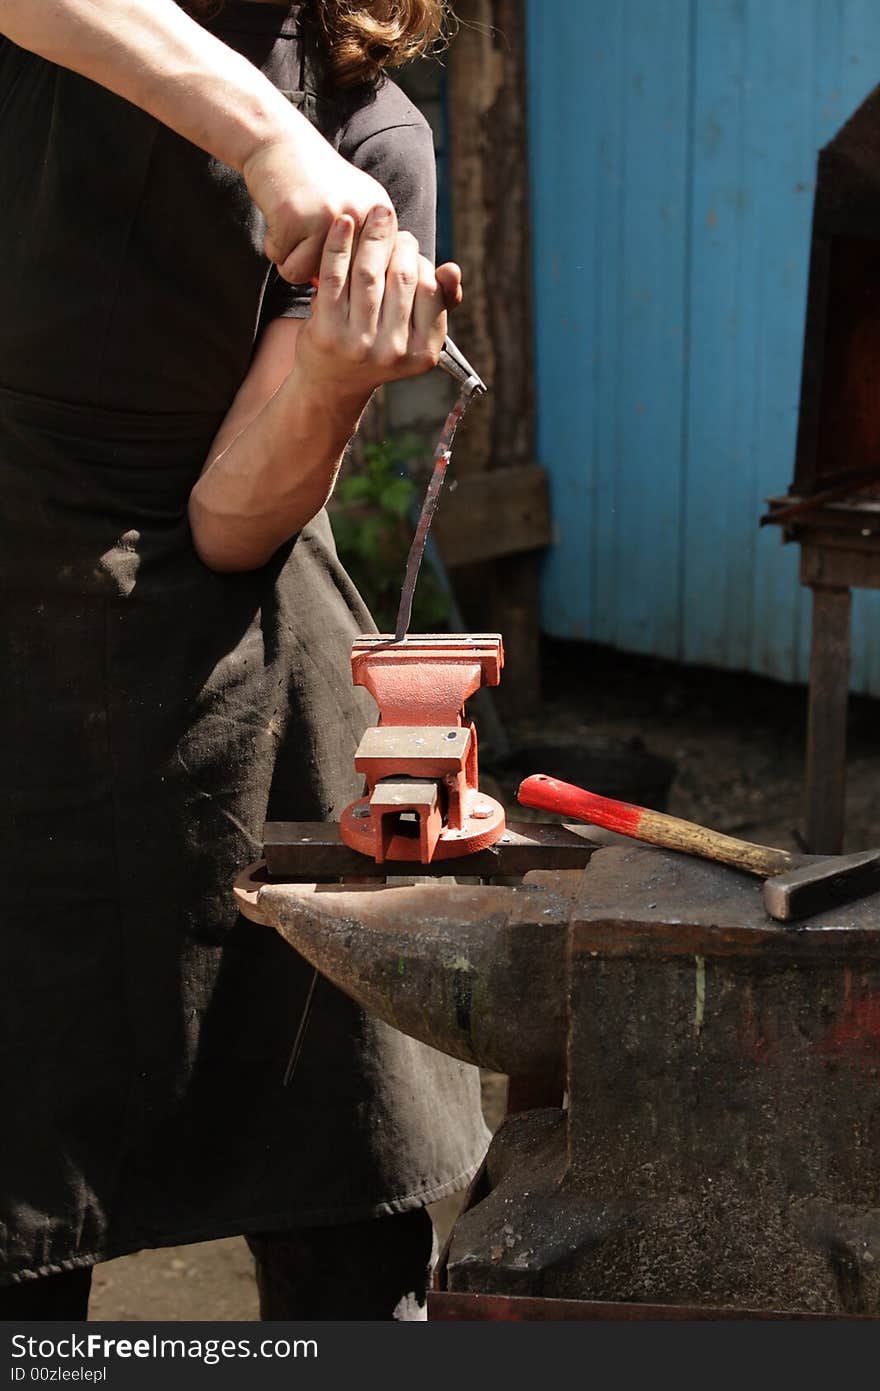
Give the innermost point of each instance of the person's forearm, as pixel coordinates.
(153, 54)
(273, 478)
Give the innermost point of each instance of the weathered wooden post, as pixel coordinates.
(500, 510)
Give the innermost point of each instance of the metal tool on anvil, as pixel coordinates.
(423, 799)
(796, 886)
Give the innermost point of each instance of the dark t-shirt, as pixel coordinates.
(154, 297)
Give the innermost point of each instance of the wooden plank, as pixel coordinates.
(514, 601)
(494, 514)
(654, 97)
(780, 153)
(472, 84)
(491, 228)
(576, 176)
(490, 214)
(825, 790)
(835, 562)
(723, 321)
(609, 101)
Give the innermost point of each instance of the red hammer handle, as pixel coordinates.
(652, 827)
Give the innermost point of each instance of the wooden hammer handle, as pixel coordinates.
(653, 827)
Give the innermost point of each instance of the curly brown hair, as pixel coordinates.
(361, 38)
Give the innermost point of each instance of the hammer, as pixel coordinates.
(795, 886)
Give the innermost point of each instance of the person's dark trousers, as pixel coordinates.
(373, 1270)
(376, 1270)
(52, 1298)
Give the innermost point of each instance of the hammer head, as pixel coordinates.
(821, 881)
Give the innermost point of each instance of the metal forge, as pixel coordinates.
(719, 1152)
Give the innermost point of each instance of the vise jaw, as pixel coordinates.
(423, 800)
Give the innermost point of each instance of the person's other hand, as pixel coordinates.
(380, 312)
(301, 186)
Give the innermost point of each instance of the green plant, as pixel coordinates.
(373, 519)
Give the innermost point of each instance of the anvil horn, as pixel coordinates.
(477, 972)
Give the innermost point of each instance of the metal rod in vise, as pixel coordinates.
(456, 364)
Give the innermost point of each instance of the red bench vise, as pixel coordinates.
(423, 800)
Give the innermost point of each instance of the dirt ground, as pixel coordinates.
(736, 743)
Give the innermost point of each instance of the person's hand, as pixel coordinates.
(380, 312)
(301, 186)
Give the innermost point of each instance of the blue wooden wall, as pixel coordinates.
(672, 148)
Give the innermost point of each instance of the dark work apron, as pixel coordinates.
(153, 714)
